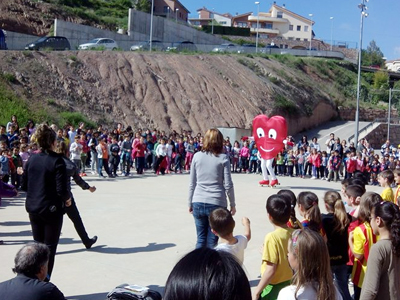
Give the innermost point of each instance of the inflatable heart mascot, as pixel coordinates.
(270, 136)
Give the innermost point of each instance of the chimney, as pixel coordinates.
(284, 6)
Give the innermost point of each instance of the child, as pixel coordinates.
(293, 222)
(275, 270)
(309, 210)
(396, 174)
(350, 165)
(222, 225)
(385, 180)
(244, 155)
(308, 257)
(324, 165)
(114, 157)
(17, 161)
(253, 159)
(126, 149)
(235, 156)
(23, 152)
(189, 154)
(334, 166)
(4, 166)
(361, 240)
(280, 163)
(290, 161)
(336, 223)
(300, 163)
(382, 278)
(140, 150)
(375, 169)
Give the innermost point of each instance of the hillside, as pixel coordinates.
(37, 17)
(174, 91)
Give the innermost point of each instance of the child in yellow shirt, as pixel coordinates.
(396, 173)
(385, 179)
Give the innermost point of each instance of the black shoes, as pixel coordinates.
(91, 241)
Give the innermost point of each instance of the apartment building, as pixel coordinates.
(172, 9)
(206, 16)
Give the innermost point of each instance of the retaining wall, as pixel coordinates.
(18, 41)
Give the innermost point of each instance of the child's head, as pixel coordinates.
(221, 222)
(385, 178)
(324, 154)
(308, 206)
(278, 208)
(386, 215)
(308, 256)
(293, 201)
(396, 174)
(334, 204)
(367, 202)
(353, 194)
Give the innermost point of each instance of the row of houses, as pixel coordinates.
(278, 22)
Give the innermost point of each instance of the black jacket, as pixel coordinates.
(72, 171)
(46, 183)
(24, 287)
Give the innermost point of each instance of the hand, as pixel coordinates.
(191, 210)
(245, 221)
(92, 189)
(233, 210)
(68, 203)
(256, 296)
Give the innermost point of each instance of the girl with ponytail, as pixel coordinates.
(382, 280)
(336, 223)
(309, 210)
(293, 222)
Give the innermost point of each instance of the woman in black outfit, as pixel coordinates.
(72, 211)
(46, 184)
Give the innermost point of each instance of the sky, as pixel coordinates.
(381, 24)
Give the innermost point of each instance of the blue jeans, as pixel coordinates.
(205, 238)
(340, 275)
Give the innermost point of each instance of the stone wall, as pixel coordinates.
(378, 136)
(349, 53)
(348, 114)
(18, 41)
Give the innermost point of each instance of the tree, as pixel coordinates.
(373, 56)
(143, 5)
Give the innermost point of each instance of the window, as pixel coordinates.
(222, 22)
(290, 39)
(211, 15)
(268, 25)
(291, 27)
(254, 25)
(241, 24)
(279, 15)
(305, 40)
(166, 10)
(306, 28)
(297, 39)
(286, 46)
(298, 28)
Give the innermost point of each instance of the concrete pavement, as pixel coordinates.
(144, 228)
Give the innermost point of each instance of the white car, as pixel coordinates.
(107, 44)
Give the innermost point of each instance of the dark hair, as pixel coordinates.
(390, 214)
(309, 201)
(293, 202)
(221, 221)
(359, 178)
(45, 137)
(354, 190)
(31, 258)
(62, 148)
(278, 207)
(207, 274)
(367, 202)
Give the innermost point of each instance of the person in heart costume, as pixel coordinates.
(270, 137)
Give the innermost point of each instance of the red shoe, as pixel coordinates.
(263, 182)
(274, 182)
(84, 174)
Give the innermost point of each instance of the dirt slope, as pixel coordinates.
(170, 90)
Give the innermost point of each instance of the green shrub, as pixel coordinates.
(9, 77)
(282, 104)
(74, 118)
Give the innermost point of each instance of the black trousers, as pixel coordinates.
(73, 213)
(47, 230)
(158, 162)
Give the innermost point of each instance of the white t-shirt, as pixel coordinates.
(235, 249)
(304, 293)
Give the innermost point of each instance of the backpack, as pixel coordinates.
(133, 292)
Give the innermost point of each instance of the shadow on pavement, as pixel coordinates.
(20, 233)
(114, 250)
(14, 223)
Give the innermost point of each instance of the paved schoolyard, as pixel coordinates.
(144, 228)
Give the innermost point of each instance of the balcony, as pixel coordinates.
(264, 30)
(267, 19)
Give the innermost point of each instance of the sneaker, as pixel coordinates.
(313, 177)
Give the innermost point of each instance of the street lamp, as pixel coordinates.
(311, 15)
(176, 15)
(331, 18)
(168, 12)
(258, 23)
(212, 22)
(151, 24)
(363, 8)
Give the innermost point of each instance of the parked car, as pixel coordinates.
(181, 46)
(145, 46)
(49, 42)
(247, 48)
(223, 48)
(3, 44)
(107, 44)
